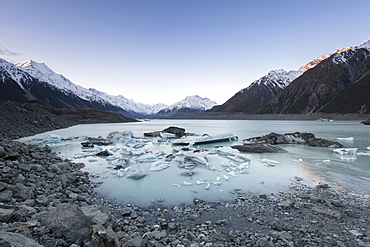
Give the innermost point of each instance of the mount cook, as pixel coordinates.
(36, 81)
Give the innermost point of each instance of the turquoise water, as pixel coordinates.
(351, 172)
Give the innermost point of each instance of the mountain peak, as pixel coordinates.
(317, 60)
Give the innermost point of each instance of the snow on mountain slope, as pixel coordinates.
(193, 102)
(44, 73)
(276, 79)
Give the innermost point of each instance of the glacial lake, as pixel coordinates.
(214, 181)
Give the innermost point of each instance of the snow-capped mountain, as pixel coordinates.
(338, 84)
(31, 80)
(44, 73)
(193, 103)
(317, 60)
(259, 92)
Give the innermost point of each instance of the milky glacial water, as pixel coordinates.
(351, 172)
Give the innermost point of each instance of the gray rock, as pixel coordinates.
(2, 151)
(292, 138)
(259, 148)
(69, 221)
(98, 214)
(22, 192)
(6, 196)
(5, 214)
(10, 239)
(3, 186)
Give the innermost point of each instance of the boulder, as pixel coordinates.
(292, 138)
(98, 214)
(175, 130)
(69, 221)
(10, 239)
(20, 191)
(259, 148)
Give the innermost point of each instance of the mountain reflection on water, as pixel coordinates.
(216, 174)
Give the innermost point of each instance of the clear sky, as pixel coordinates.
(160, 51)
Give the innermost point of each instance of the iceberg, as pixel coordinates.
(270, 162)
(350, 139)
(346, 151)
(227, 151)
(117, 136)
(187, 183)
(138, 173)
(159, 166)
(205, 139)
(368, 148)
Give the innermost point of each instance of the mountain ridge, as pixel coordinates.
(60, 92)
(314, 90)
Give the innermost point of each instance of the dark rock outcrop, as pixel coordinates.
(179, 132)
(292, 138)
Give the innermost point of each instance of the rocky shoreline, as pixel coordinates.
(48, 201)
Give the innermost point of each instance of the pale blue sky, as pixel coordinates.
(160, 51)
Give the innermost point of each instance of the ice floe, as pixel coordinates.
(138, 173)
(159, 166)
(346, 151)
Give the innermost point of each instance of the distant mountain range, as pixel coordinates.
(31, 80)
(335, 83)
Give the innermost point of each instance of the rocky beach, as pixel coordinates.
(48, 201)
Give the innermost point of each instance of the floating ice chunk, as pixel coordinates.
(232, 173)
(270, 162)
(245, 157)
(58, 145)
(208, 186)
(95, 149)
(298, 160)
(346, 151)
(159, 166)
(235, 158)
(326, 161)
(197, 158)
(138, 173)
(115, 149)
(176, 185)
(225, 163)
(225, 177)
(111, 158)
(52, 138)
(351, 139)
(200, 182)
(93, 160)
(368, 148)
(117, 136)
(363, 154)
(348, 158)
(244, 166)
(187, 183)
(120, 163)
(217, 183)
(166, 135)
(227, 151)
(147, 158)
(119, 173)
